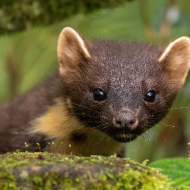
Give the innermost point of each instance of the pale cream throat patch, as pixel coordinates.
(56, 123)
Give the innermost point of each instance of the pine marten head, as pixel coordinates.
(120, 88)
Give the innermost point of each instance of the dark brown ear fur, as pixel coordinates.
(176, 58)
(72, 50)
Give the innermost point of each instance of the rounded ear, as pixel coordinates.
(176, 57)
(72, 50)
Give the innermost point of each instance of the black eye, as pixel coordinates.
(99, 94)
(150, 96)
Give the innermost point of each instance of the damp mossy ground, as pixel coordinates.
(54, 171)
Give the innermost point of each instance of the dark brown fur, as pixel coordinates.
(125, 71)
(16, 115)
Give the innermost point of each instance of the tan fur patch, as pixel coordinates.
(59, 124)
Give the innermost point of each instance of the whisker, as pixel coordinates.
(87, 108)
(91, 116)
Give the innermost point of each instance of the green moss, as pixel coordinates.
(54, 171)
(7, 180)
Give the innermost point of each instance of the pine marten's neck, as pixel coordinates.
(69, 136)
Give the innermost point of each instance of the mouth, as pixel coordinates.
(125, 137)
(122, 135)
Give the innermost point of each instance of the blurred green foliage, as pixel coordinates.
(17, 15)
(28, 57)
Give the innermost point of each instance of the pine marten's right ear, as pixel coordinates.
(73, 50)
(176, 60)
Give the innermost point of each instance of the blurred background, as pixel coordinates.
(28, 42)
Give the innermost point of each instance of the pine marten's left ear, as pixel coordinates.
(72, 50)
(176, 59)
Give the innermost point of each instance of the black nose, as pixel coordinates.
(126, 120)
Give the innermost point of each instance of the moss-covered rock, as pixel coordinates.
(54, 171)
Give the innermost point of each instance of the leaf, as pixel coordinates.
(178, 169)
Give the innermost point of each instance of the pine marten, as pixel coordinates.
(105, 93)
